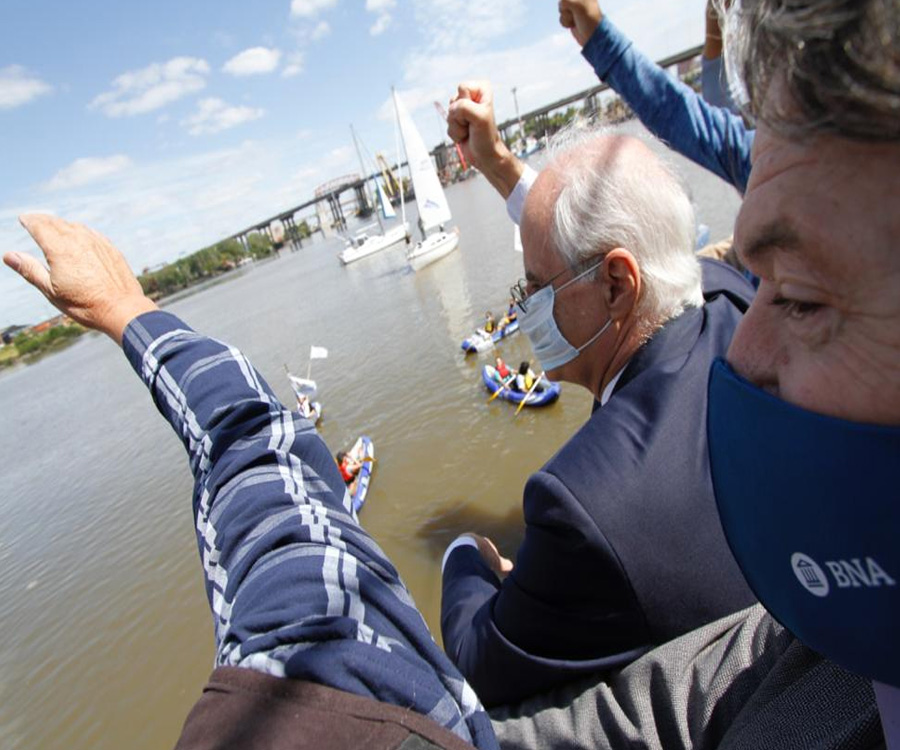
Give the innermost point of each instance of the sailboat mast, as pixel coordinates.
(400, 156)
(399, 166)
(365, 176)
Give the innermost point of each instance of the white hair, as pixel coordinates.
(616, 193)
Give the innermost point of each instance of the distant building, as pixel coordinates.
(46, 325)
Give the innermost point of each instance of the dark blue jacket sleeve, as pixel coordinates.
(711, 136)
(566, 580)
(468, 585)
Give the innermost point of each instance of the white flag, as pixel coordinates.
(318, 352)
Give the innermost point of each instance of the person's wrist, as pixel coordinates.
(505, 170)
(589, 26)
(115, 319)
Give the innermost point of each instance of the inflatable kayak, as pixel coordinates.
(546, 392)
(363, 450)
(480, 340)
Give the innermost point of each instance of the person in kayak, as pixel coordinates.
(349, 468)
(525, 377)
(502, 370)
(510, 315)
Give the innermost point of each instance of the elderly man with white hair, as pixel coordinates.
(622, 548)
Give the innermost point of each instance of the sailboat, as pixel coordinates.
(434, 211)
(363, 243)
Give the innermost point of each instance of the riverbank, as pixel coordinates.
(30, 347)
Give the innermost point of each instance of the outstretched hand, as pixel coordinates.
(470, 123)
(582, 17)
(85, 277)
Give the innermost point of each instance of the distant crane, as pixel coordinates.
(391, 186)
(443, 114)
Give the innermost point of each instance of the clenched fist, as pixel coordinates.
(580, 16)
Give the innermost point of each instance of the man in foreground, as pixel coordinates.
(804, 423)
(622, 549)
(318, 643)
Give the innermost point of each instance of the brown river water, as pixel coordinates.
(106, 635)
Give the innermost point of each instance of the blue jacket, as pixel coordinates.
(623, 549)
(711, 136)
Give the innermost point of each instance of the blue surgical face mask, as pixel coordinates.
(537, 321)
(811, 509)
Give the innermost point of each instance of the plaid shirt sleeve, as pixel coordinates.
(297, 588)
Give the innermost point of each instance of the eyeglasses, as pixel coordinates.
(520, 294)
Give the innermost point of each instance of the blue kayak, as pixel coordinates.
(546, 393)
(362, 449)
(480, 341)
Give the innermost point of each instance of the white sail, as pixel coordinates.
(387, 210)
(430, 198)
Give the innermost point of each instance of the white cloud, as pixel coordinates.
(88, 170)
(544, 71)
(18, 87)
(153, 87)
(463, 25)
(310, 8)
(382, 8)
(380, 25)
(157, 210)
(253, 61)
(214, 115)
(294, 66)
(321, 30)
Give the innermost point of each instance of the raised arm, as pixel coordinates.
(297, 588)
(711, 136)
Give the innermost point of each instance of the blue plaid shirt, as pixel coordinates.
(297, 588)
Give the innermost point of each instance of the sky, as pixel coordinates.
(171, 125)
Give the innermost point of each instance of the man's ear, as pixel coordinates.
(622, 282)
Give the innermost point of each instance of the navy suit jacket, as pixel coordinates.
(623, 549)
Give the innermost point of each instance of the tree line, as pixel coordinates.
(212, 261)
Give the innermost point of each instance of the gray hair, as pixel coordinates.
(836, 60)
(612, 198)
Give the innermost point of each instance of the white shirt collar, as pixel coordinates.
(610, 386)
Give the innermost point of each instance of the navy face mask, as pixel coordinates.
(811, 508)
